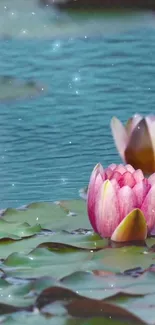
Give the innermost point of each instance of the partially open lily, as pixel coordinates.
(121, 203)
(136, 141)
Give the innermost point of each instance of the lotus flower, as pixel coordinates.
(121, 203)
(136, 141)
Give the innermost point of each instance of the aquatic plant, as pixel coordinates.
(136, 141)
(121, 202)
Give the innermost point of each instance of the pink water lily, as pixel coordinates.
(121, 202)
(136, 141)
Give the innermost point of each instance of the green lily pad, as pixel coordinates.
(45, 262)
(16, 231)
(119, 260)
(91, 285)
(54, 267)
(40, 319)
(88, 241)
(23, 294)
(52, 216)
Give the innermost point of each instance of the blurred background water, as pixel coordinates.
(91, 68)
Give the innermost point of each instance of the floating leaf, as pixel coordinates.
(119, 260)
(59, 265)
(52, 216)
(23, 294)
(42, 262)
(79, 306)
(40, 319)
(92, 242)
(90, 285)
(16, 231)
(13, 89)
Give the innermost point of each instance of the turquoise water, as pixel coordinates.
(49, 145)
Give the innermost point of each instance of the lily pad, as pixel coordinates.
(65, 215)
(54, 267)
(23, 294)
(14, 89)
(44, 262)
(119, 260)
(40, 319)
(16, 231)
(87, 241)
(77, 305)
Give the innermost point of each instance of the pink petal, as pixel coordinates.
(129, 168)
(151, 118)
(135, 120)
(121, 169)
(127, 179)
(109, 170)
(112, 166)
(116, 175)
(93, 187)
(106, 210)
(115, 184)
(101, 171)
(148, 207)
(108, 173)
(120, 136)
(151, 179)
(127, 201)
(138, 175)
(141, 189)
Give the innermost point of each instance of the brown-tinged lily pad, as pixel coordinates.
(79, 306)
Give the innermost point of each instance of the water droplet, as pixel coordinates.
(24, 31)
(76, 78)
(64, 180)
(56, 46)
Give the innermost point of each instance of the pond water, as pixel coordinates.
(49, 145)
